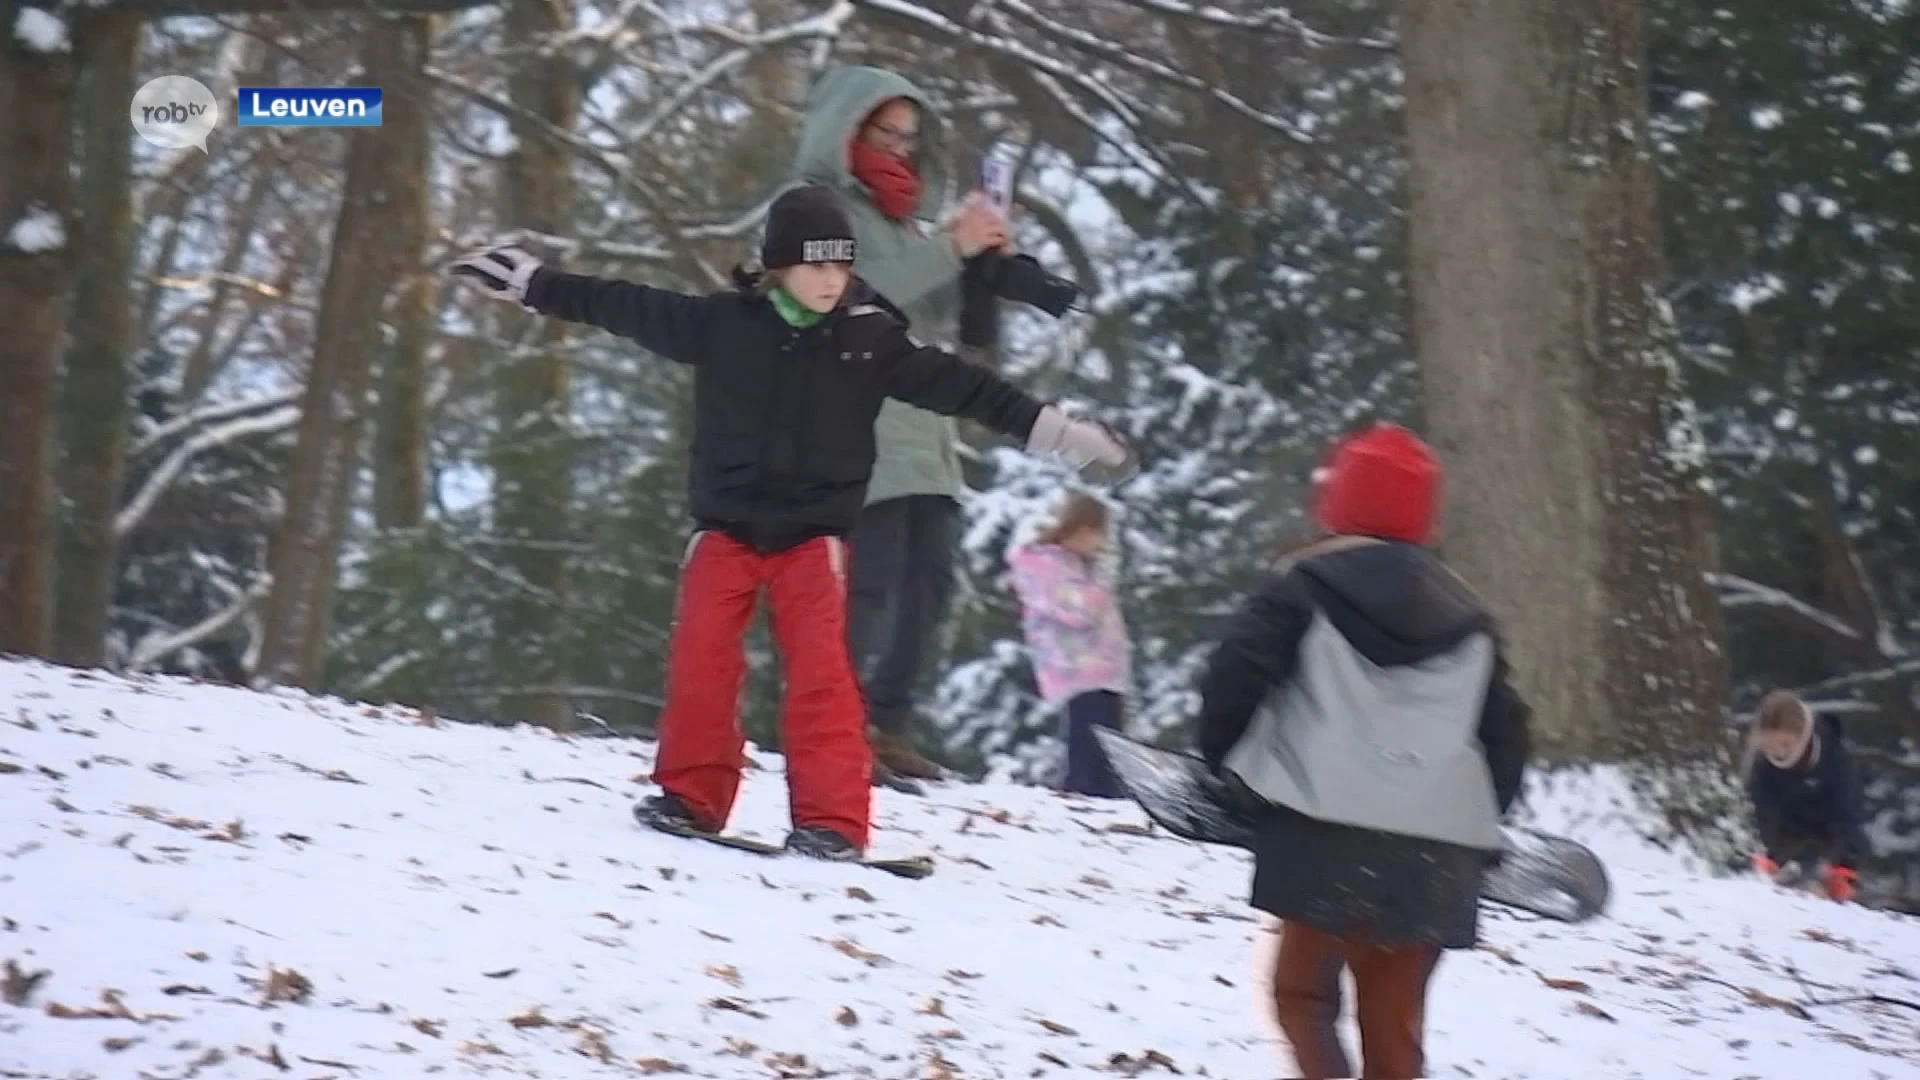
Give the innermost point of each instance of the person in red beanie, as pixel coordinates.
(1359, 700)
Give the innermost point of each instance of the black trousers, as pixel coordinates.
(899, 580)
(1086, 771)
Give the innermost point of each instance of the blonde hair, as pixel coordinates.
(1079, 511)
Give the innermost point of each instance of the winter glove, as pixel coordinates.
(1088, 446)
(1764, 866)
(1839, 882)
(504, 273)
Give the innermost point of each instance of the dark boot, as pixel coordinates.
(668, 814)
(900, 757)
(817, 842)
(885, 777)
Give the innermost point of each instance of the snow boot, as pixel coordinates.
(668, 814)
(885, 777)
(901, 757)
(819, 842)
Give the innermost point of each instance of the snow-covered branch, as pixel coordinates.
(169, 470)
(154, 648)
(211, 414)
(1272, 20)
(1096, 45)
(1738, 592)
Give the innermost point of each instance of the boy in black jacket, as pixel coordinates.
(789, 372)
(1806, 797)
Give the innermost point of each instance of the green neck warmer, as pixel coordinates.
(793, 311)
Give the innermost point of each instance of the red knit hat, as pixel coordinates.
(1381, 482)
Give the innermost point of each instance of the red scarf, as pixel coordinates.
(891, 181)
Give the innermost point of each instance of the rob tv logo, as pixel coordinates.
(307, 106)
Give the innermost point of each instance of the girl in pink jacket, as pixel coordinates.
(1077, 637)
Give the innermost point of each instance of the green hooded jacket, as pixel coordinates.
(912, 266)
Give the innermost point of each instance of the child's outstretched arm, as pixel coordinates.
(662, 321)
(939, 381)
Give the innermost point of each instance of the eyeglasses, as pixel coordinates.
(894, 135)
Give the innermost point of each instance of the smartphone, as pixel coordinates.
(996, 178)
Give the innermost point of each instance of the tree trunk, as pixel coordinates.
(400, 439)
(532, 453)
(94, 387)
(36, 92)
(370, 252)
(1577, 489)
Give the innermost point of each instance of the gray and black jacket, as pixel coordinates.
(1360, 698)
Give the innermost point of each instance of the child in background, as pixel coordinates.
(1806, 797)
(790, 369)
(1078, 639)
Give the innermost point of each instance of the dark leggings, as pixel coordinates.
(1087, 771)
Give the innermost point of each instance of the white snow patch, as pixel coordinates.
(1866, 455)
(1693, 101)
(38, 230)
(1767, 117)
(41, 30)
(464, 899)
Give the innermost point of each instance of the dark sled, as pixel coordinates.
(1547, 875)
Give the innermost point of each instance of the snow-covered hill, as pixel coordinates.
(198, 881)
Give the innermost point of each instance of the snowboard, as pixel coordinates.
(1546, 875)
(911, 867)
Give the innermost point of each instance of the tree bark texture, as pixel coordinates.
(94, 388)
(532, 453)
(36, 226)
(1577, 494)
(370, 251)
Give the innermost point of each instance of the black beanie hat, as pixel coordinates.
(807, 225)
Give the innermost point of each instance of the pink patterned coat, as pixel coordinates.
(1071, 621)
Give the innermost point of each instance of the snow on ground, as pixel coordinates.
(217, 884)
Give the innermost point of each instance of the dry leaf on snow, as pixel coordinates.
(653, 1066)
(532, 1018)
(846, 1017)
(1572, 985)
(1589, 1009)
(17, 987)
(726, 973)
(286, 984)
(865, 956)
(1054, 1026)
(1791, 1008)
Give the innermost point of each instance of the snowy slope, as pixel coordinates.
(225, 884)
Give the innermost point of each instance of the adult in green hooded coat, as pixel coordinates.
(867, 133)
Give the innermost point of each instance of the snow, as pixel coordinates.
(41, 30)
(38, 230)
(244, 881)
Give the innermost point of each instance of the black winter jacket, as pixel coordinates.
(1395, 604)
(783, 416)
(1811, 810)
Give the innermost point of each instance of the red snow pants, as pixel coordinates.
(823, 716)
